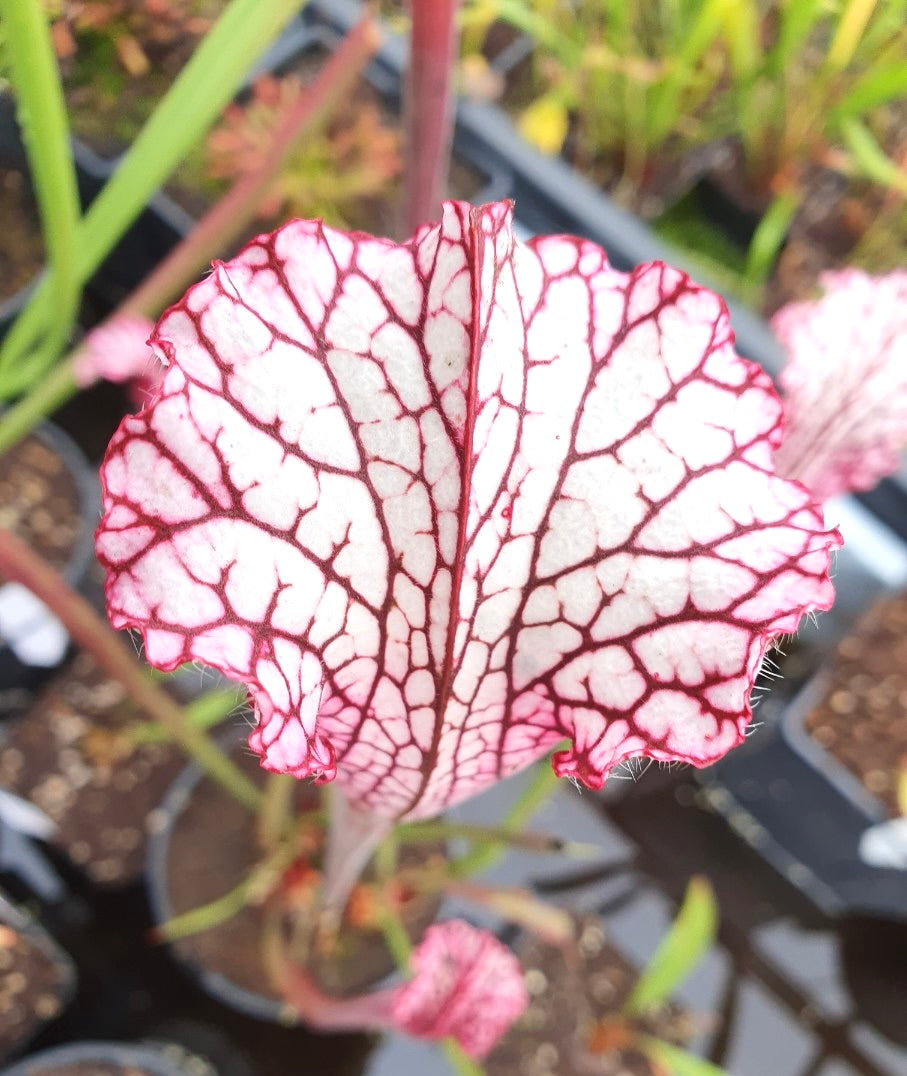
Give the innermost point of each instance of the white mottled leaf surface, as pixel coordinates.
(445, 504)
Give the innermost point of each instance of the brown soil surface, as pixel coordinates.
(68, 757)
(570, 997)
(213, 847)
(22, 249)
(862, 718)
(33, 986)
(39, 500)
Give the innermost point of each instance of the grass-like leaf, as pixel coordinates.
(32, 67)
(869, 157)
(689, 937)
(673, 1060)
(769, 236)
(877, 87)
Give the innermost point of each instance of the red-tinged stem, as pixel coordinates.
(88, 630)
(366, 1012)
(429, 108)
(363, 1012)
(219, 228)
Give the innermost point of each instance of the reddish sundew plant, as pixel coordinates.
(446, 504)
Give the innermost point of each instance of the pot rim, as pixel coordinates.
(213, 983)
(151, 1057)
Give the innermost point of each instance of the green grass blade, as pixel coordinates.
(202, 89)
(665, 100)
(769, 237)
(742, 31)
(519, 15)
(878, 87)
(850, 30)
(688, 938)
(42, 115)
(869, 157)
(797, 20)
(675, 1061)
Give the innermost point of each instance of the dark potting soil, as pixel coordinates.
(39, 500)
(22, 250)
(33, 986)
(70, 757)
(862, 717)
(212, 849)
(572, 1025)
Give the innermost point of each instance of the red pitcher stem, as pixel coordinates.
(429, 107)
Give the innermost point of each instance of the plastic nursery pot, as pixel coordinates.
(49, 498)
(72, 757)
(112, 1059)
(203, 846)
(37, 979)
(814, 791)
(155, 232)
(850, 725)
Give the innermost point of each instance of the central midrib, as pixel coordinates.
(445, 684)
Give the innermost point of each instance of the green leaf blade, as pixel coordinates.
(675, 1061)
(45, 128)
(690, 936)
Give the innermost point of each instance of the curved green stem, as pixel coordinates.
(542, 843)
(202, 713)
(42, 113)
(542, 783)
(256, 885)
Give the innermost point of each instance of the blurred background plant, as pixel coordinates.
(76, 244)
(642, 1014)
(341, 173)
(612, 84)
(796, 110)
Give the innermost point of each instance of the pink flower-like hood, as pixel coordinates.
(466, 984)
(444, 504)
